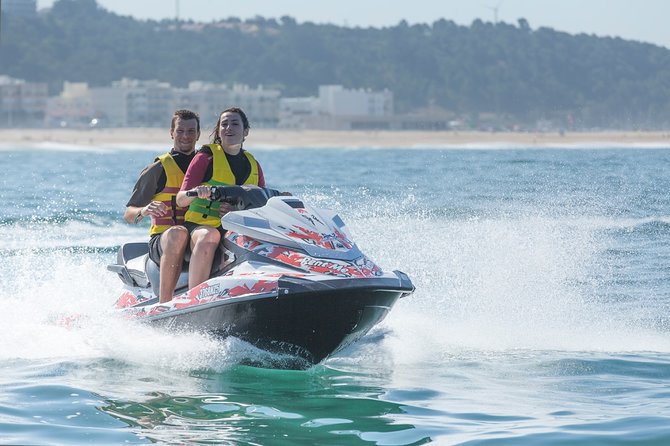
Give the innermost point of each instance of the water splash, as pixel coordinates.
(501, 283)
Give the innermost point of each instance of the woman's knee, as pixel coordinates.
(206, 235)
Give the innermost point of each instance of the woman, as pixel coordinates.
(224, 162)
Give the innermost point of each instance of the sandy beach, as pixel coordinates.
(324, 138)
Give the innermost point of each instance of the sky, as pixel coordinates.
(641, 20)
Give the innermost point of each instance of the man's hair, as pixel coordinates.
(185, 115)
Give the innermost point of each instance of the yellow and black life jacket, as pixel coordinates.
(169, 196)
(206, 212)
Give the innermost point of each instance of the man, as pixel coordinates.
(154, 195)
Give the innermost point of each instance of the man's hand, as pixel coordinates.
(156, 209)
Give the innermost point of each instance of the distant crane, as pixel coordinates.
(495, 11)
(176, 13)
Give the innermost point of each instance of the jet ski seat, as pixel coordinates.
(153, 271)
(135, 268)
(130, 271)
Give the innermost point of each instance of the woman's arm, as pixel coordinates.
(261, 177)
(193, 178)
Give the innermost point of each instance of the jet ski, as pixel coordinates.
(290, 281)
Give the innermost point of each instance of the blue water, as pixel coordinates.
(541, 316)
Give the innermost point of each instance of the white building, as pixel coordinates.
(294, 113)
(209, 99)
(22, 103)
(338, 108)
(335, 100)
(134, 103)
(72, 108)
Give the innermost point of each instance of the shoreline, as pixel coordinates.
(282, 138)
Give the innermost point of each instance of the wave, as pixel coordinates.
(20, 236)
(495, 283)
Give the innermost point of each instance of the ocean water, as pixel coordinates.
(541, 314)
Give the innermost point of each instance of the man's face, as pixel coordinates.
(185, 134)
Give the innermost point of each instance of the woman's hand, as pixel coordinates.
(204, 191)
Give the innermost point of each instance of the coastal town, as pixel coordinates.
(145, 103)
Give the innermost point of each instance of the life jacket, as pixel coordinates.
(206, 212)
(168, 196)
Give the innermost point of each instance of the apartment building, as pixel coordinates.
(339, 108)
(72, 108)
(22, 103)
(208, 99)
(133, 103)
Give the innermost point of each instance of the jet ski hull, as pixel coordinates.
(308, 326)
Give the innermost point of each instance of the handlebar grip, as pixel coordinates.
(192, 193)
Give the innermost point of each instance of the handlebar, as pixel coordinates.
(242, 197)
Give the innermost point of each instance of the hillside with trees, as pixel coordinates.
(505, 69)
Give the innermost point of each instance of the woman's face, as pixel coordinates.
(231, 129)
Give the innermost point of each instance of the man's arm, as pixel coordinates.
(134, 214)
(140, 203)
